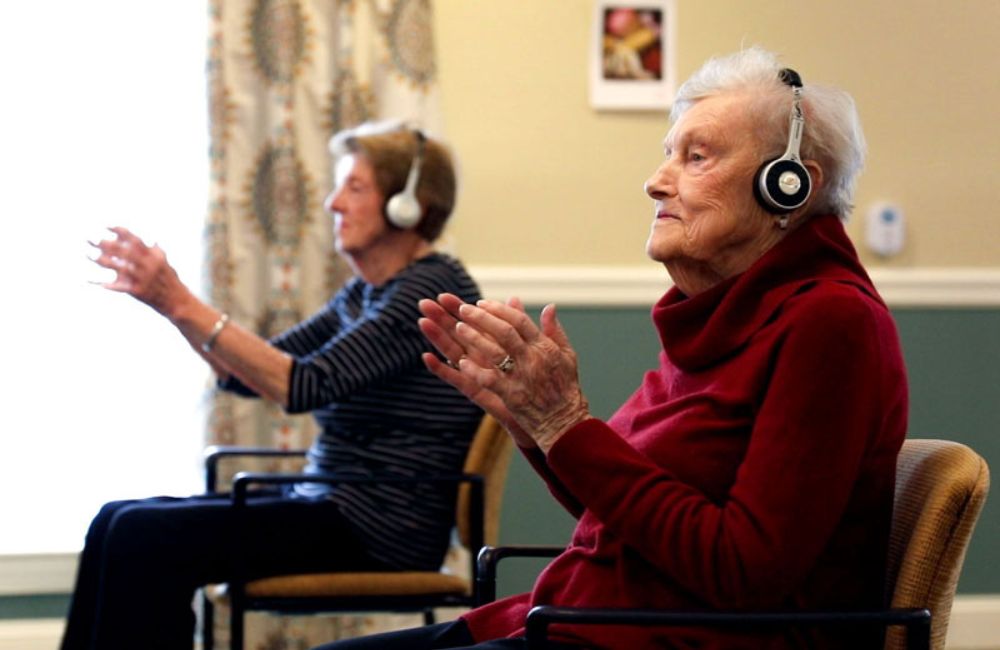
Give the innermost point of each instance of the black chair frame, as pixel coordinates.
(240, 602)
(917, 621)
(213, 456)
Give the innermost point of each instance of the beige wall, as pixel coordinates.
(549, 181)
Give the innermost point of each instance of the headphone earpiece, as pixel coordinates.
(403, 209)
(783, 184)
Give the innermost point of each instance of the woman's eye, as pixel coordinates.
(696, 157)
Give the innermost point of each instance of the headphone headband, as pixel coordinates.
(790, 77)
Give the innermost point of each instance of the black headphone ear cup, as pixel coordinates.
(782, 185)
(757, 194)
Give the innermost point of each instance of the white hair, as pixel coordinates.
(832, 135)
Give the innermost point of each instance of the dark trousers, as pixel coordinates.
(143, 560)
(443, 636)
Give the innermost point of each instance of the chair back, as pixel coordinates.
(489, 456)
(941, 486)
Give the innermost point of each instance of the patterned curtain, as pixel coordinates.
(283, 76)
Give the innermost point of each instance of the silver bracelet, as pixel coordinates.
(216, 330)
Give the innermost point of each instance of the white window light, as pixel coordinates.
(103, 120)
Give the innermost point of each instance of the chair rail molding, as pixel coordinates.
(37, 573)
(641, 286)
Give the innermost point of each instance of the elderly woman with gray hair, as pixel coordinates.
(355, 365)
(753, 468)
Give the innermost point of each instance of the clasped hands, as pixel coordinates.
(523, 375)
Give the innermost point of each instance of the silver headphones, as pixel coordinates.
(783, 184)
(403, 210)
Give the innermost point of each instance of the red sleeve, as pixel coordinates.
(535, 456)
(823, 407)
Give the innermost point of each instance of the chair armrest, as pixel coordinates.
(243, 480)
(216, 453)
(916, 621)
(490, 556)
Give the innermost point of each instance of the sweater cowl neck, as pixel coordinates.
(699, 330)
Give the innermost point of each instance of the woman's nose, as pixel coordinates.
(661, 183)
(329, 201)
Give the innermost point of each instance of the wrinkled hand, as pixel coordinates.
(438, 326)
(141, 271)
(539, 398)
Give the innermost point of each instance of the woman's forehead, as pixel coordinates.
(714, 117)
(350, 165)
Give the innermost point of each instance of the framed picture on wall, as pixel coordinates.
(631, 57)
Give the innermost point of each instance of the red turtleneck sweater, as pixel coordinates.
(754, 468)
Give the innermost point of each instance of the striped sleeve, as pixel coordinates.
(305, 337)
(314, 332)
(380, 344)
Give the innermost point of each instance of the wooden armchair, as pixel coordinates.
(477, 522)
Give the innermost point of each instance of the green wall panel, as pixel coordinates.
(953, 362)
(34, 606)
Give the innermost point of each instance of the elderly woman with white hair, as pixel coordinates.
(753, 468)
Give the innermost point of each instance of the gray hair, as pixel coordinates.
(832, 135)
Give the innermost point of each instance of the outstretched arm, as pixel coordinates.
(144, 273)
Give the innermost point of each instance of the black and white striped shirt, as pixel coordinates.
(357, 368)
